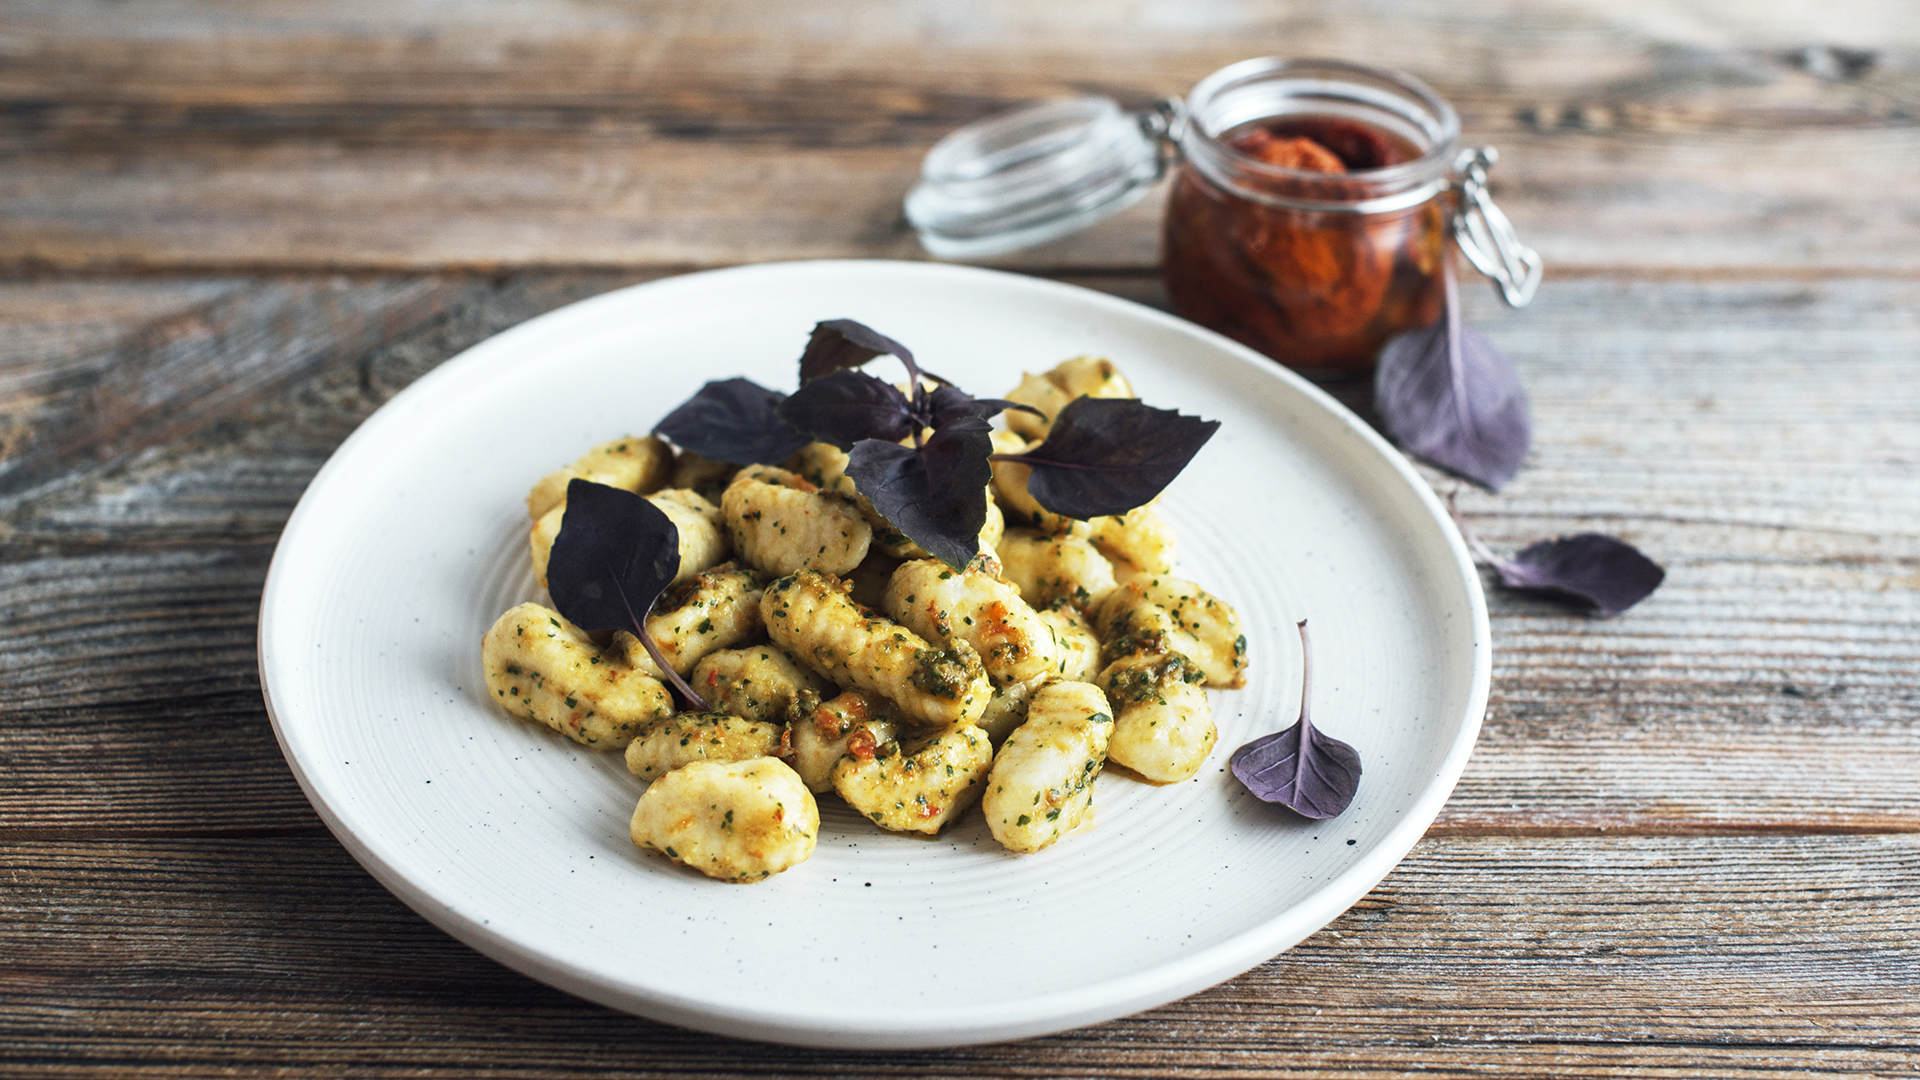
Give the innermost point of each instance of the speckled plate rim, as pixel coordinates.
(1071, 1007)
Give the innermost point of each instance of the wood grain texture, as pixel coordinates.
(408, 136)
(1766, 687)
(1483, 957)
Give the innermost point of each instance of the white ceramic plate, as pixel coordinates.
(413, 539)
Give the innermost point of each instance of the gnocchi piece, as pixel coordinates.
(703, 537)
(810, 616)
(821, 464)
(715, 735)
(542, 668)
(640, 465)
(869, 579)
(1079, 648)
(1046, 568)
(758, 682)
(945, 605)
(781, 524)
(1008, 709)
(1017, 504)
(717, 609)
(739, 821)
(851, 724)
(894, 543)
(703, 476)
(920, 790)
(1162, 721)
(1157, 613)
(1086, 376)
(1041, 784)
(1140, 537)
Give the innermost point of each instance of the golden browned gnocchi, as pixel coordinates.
(919, 789)
(717, 609)
(1155, 613)
(1162, 722)
(739, 822)
(640, 465)
(1083, 376)
(1046, 567)
(811, 617)
(542, 668)
(1041, 784)
(850, 724)
(757, 682)
(780, 523)
(715, 735)
(944, 605)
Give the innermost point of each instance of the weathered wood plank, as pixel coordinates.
(1495, 957)
(263, 135)
(1767, 686)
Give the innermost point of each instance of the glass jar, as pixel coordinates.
(1313, 213)
(1308, 218)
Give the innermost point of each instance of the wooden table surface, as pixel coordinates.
(1688, 843)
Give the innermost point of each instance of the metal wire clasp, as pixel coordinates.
(1484, 234)
(1165, 124)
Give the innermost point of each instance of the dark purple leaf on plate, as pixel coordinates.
(1313, 774)
(1589, 570)
(937, 495)
(1108, 455)
(1447, 394)
(616, 553)
(950, 403)
(736, 421)
(847, 406)
(844, 343)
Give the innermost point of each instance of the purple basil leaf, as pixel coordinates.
(1446, 394)
(736, 421)
(844, 343)
(1312, 774)
(936, 495)
(950, 403)
(847, 406)
(1108, 455)
(616, 553)
(1596, 572)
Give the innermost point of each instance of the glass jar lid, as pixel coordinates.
(1034, 174)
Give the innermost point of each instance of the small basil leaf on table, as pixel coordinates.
(1600, 573)
(936, 495)
(1447, 394)
(616, 553)
(1109, 455)
(847, 406)
(1313, 774)
(736, 421)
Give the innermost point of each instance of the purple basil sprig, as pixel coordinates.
(1446, 394)
(1311, 773)
(1106, 456)
(616, 553)
(1592, 572)
(736, 421)
(1102, 456)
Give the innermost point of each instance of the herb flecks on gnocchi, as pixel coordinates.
(812, 618)
(781, 523)
(919, 789)
(1041, 785)
(542, 668)
(739, 822)
(1063, 643)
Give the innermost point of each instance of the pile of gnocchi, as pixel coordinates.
(835, 656)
